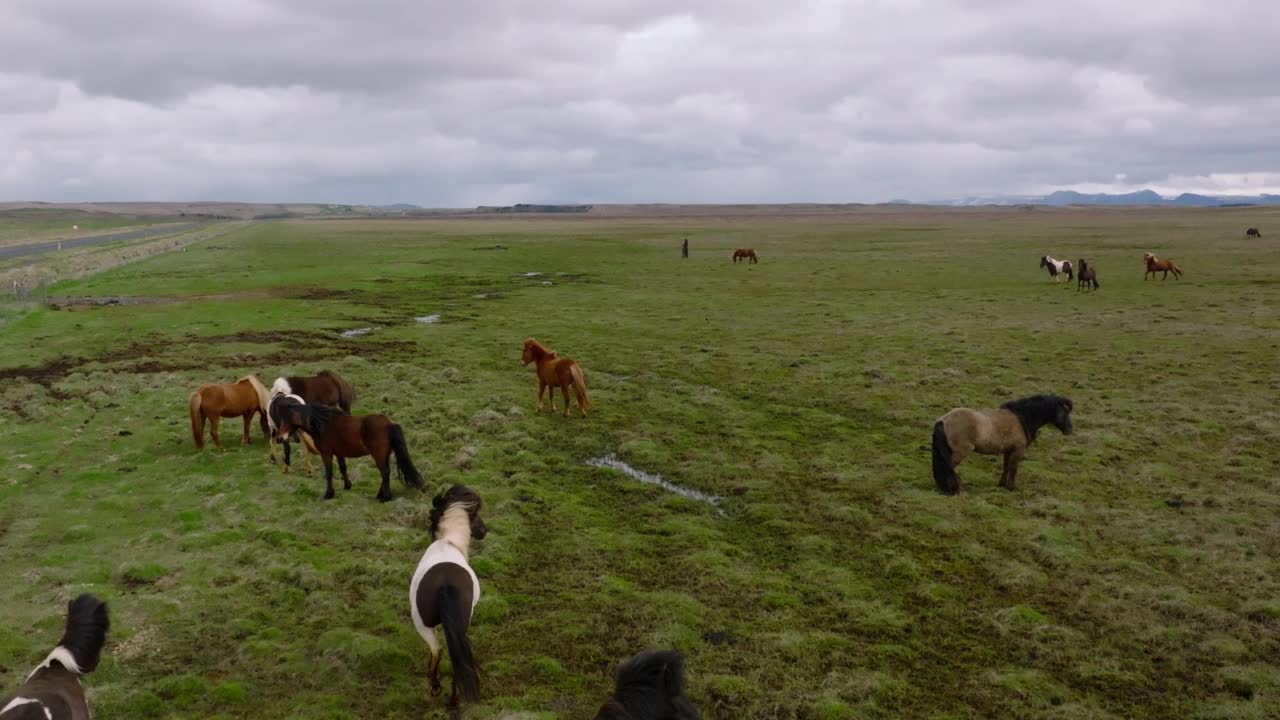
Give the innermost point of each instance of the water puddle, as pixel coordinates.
(532, 274)
(357, 332)
(429, 319)
(612, 462)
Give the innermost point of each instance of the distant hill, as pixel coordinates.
(1063, 198)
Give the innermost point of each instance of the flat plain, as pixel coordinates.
(1132, 574)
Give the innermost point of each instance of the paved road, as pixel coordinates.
(71, 243)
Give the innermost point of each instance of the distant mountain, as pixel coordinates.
(1060, 198)
(1071, 197)
(400, 206)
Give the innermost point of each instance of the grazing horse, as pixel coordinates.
(1007, 430)
(242, 398)
(53, 691)
(1085, 276)
(444, 590)
(1056, 267)
(748, 254)
(330, 433)
(1155, 265)
(555, 371)
(684, 249)
(650, 686)
(324, 388)
(1252, 232)
(279, 405)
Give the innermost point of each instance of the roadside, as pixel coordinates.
(71, 243)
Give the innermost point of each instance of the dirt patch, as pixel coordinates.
(82, 303)
(44, 375)
(324, 294)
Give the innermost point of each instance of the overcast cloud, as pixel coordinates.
(459, 104)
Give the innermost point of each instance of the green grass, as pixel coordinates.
(29, 225)
(1133, 574)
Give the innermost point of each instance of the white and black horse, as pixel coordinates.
(650, 687)
(53, 691)
(444, 590)
(1056, 267)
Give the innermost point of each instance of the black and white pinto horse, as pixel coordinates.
(53, 691)
(1056, 267)
(279, 399)
(650, 687)
(444, 590)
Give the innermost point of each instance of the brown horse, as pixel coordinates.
(242, 398)
(1088, 275)
(53, 690)
(748, 254)
(1155, 265)
(1007, 430)
(329, 433)
(555, 371)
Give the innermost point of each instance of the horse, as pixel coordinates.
(1007, 430)
(53, 691)
(684, 249)
(329, 433)
(1085, 276)
(1056, 267)
(1253, 233)
(650, 686)
(279, 405)
(748, 254)
(444, 590)
(1155, 265)
(242, 398)
(325, 387)
(555, 371)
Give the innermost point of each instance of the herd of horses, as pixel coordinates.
(1087, 277)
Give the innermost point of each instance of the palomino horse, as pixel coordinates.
(242, 398)
(1086, 276)
(1007, 430)
(53, 691)
(1155, 265)
(555, 371)
(650, 687)
(748, 254)
(324, 388)
(1056, 267)
(1252, 232)
(444, 590)
(330, 433)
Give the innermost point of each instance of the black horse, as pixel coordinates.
(1252, 232)
(650, 687)
(684, 249)
(1086, 275)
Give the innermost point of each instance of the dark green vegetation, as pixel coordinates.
(1133, 574)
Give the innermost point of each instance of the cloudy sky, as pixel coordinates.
(446, 103)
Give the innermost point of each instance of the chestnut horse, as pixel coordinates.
(1007, 430)
(53, 690)
(1155, 265)
(242, 398)
(555, 371)
(331, 433)
(650, 686)
(748, 254)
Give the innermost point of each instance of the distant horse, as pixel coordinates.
(1086, 275)
(330, 433)
(444, 590)
(243, 398)
(1056, 267)
(1252, 232)
(650, 686)
(684, 249)
(748, 254)
(1008, 430)
(555, 371)
(1155, 265)
(53, 691)
(324, 388)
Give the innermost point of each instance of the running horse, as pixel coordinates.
(556, 372)
(1007, 430)
(748, 254)
(1155, 265)
(1056, 267)
(53, 691)
(331, 433)
(243, 398)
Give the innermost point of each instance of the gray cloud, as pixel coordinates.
(583, 100)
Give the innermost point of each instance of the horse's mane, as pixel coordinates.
(319, 417)
(264, 397)
(456, 495)
(1033, 412)
(543, 349)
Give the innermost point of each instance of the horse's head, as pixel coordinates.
(1148, 258)
(529, 345)
(281, 387)
(1044, 261)
(463, 497)
(1062, 416)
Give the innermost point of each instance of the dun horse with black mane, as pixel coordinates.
(243, 398)
(444, 590)
(331, 434)
(1007, 430)
(53, 690)
(556, 372)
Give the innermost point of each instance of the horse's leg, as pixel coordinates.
(551, 396)
(214, 422)
(453, 696)
(541, 386)
(433, 662)
(1011, 460)
(384, 469)
(287, 459)
(342, 468)
(564, 391)
(248, 423)
(328, 475)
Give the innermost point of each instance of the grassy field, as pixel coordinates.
(1132, 574)
(23, 226)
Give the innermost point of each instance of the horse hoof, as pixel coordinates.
(384, 498)
(328, 496)
(436, 690)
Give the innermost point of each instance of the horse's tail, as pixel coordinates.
(197, 419)
(1177, 271)
(1066, 268)
(944, 475)
(346, 393)
(404, 465)
(580, 386)
(1095, 281)
(455, 617)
